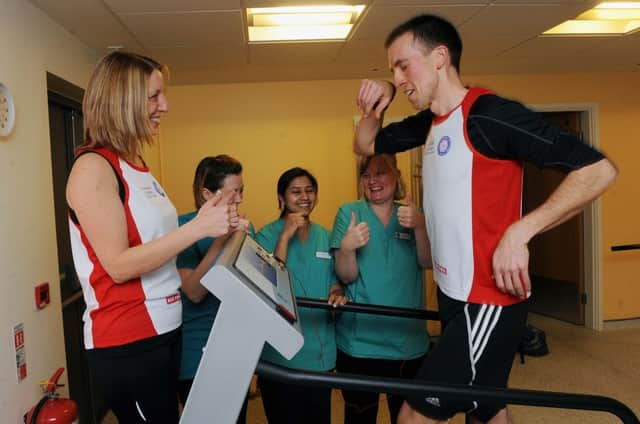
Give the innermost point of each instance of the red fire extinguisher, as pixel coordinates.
(52, 409)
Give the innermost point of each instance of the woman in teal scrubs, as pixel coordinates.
(199, 306)
(304, 246)
(381, 248)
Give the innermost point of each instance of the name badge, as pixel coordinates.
(323, 255)
(403, 236)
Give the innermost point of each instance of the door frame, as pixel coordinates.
(591, 231)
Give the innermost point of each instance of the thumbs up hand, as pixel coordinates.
(293, 221)
(357, 235)
(410, 216)
(216, 217)
(243, 223)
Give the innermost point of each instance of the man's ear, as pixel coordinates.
(441, 55)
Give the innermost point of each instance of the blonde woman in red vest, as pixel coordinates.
(125, 237)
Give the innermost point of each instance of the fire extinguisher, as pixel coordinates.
(52, 409)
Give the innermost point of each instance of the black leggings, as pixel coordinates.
(138, 380)
(362, 407)
(184, 387)
(291, 404)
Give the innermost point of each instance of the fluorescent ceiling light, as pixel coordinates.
(610, 15)
(302, 33)
(618, 5)
(590, 28)
(281, 19)
(619, 18)
(304, 23)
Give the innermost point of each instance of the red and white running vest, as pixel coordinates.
(469, 202)
(143, 307)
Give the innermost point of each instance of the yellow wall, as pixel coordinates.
(273, 126)
(269, 128)
(31, 44)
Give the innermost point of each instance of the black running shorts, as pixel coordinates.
(477, 347)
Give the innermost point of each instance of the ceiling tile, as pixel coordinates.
(187, 29)
(432, 3)
(553, 47)
(380, 21)
(192, 57)
(276, 3)
(260, 73)
(91, 22)
(586, 4)
(288, 53)
(474, 44)
(368, 53)
(128, 6)
(519, 20)
(624, 49)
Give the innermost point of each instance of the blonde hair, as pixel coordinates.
(392, 165)
(115, 103)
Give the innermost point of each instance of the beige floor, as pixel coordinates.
(581, 361)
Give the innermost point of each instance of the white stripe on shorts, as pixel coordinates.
(480, 332)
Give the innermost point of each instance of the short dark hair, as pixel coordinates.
(210, 174)
(289, 175)
(432, 31)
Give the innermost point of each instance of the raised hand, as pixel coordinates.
(410, 216)
(234, 216)
(374, 95)
(215, 215)
(292, 222)
(357, 235)
(243, 224)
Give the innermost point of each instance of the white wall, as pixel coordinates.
(30, 45)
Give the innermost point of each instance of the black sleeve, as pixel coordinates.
(505, 129)
(404, 135)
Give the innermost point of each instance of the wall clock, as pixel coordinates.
(7, 111)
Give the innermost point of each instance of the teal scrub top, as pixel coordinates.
(197, 318)
(389, 274)
(310, 268)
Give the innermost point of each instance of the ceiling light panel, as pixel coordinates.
(619, 18)
(304, 23)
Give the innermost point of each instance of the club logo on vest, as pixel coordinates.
(440, 268)
(173, 298)
(444, 145)
(430, 148)
(158, 189)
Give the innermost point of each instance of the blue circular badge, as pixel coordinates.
(444, 145)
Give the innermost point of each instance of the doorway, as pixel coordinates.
(556, 261)
(66, 134)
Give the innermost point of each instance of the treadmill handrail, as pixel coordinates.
(465, 392)
(619, 247)
(369, 309)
